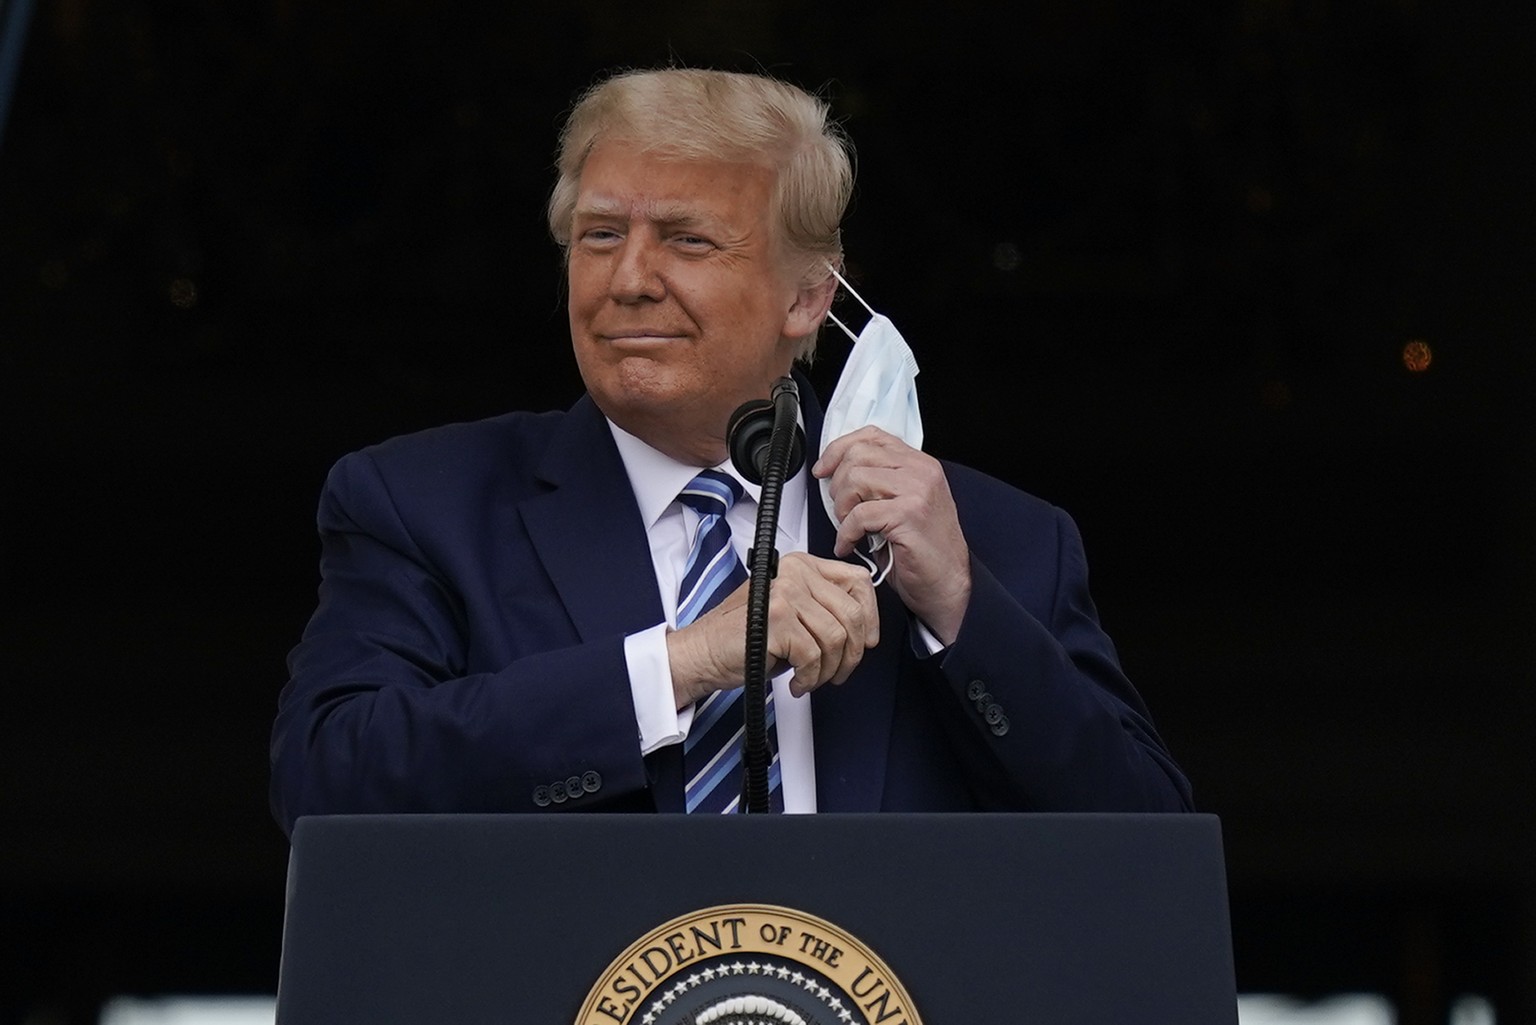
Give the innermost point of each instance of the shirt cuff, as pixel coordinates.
(925, 643)
(650, 687)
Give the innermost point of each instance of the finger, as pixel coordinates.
(827, 617)
(876, 516)
(807, 675)
(847, 594)
(808, 636)
(789, 642)
(854, 583)
(834, 657)
(855, 483)
(837, 450)
(857, 625)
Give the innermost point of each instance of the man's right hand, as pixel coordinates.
(822, 616)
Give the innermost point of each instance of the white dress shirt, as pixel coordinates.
(656, 480)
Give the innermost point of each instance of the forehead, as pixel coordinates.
(619, 178)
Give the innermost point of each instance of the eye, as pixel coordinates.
(692, 243)
(599, 235)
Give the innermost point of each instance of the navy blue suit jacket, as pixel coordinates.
(478, 581)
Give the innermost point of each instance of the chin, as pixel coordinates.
(644, 385)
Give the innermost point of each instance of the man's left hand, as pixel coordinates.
(880, 484)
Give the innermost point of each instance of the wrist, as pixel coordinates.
(946, 616)
(693, 674)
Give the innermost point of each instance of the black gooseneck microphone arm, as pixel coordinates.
(767, 446)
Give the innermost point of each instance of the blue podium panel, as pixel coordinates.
(1022, 919)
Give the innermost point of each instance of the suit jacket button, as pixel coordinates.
(591, 782)
(994, 714)
(975, 690)
(1000, 727)
(541, 796)
(573, 788)
(557, 792)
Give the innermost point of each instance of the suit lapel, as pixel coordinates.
(589, 536)
(851, 723)
(587, 531)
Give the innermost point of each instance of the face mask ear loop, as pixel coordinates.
(876, 542)
(877, 572)
(844, 282)
(851, 336)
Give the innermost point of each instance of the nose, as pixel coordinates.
(637, 273)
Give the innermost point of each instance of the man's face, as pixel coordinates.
(680, 309)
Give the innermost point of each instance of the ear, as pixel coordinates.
(809, 308)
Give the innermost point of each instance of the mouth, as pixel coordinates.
(640, 337)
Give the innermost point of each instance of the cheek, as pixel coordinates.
(578, 295)
(583, 281)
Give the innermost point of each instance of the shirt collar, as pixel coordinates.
(657, 479)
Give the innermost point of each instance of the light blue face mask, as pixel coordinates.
(878, 386)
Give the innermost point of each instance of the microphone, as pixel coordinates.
(750, 434)
(766, 446)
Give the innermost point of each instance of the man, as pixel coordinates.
(498, 627)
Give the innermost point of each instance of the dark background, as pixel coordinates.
(1159, 263)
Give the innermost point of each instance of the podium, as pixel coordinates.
(1020, 919)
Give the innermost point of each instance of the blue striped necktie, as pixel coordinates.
(712, 752)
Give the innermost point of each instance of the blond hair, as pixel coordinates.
(722, 115)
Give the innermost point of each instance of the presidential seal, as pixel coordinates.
(748, 964)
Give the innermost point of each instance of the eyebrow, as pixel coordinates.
(670, 213)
